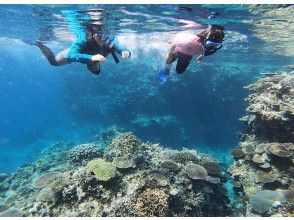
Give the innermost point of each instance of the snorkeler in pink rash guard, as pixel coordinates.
(186, 45)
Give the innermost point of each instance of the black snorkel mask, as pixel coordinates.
(107, 39)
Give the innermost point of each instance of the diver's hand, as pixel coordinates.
(98, 58)
(125, 54)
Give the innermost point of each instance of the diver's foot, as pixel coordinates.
(163, 74)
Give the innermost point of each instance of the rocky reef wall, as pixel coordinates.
(263, 168)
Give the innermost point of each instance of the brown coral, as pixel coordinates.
(195, 171)
(281, 149)
(237, 153)
(212, 168)
(152, 203)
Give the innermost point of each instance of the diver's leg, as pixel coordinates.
(94, 68)
(47, 52)
(174, 56)
(183, 62)
(61, 59)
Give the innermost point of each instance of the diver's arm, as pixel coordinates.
(118, 48)
(74, 54)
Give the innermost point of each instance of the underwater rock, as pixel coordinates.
(45, 179)
(104, 171)
(12, 212)
(238, 153)
(84, 153)
(152, 203)
(264, 200)
(281, 149)
(267, 177)
(195, 171)
(261, 160)
(169, 165)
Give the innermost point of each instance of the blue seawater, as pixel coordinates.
(43, 104)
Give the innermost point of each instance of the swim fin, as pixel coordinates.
(163, 74)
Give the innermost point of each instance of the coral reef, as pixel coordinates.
(169, 165)
(104, 171)
(45, 179)
(265, 200)
(125, 144)
(123, 163)
(131, 178)
(12, 212)
(81, 154)
(195, 171)
(151, 203)
(271, 108)
(263, 166)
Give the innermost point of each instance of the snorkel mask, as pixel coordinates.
(212, 44)
(215, 38)
(107, 39)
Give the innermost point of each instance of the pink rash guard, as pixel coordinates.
(188, 43)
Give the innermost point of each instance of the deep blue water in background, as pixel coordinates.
(42, 104)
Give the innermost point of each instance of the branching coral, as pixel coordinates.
(151, 203)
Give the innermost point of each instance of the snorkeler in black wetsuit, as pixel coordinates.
(90, 47)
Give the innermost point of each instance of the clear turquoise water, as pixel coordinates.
(42, 104)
